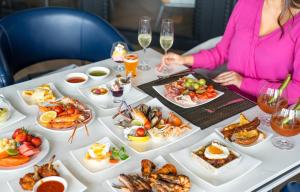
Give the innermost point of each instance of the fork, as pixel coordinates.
(224, 105)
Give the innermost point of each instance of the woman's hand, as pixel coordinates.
(172, 59)
(229, 78)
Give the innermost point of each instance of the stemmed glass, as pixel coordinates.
(144, 38)
(118, 51)
(285, 122)
(166, 39)
(270, 100)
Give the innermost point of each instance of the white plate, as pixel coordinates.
(133, 96)
(159, 162)
(161, 90)
(258, 142)
(153, 144)
(45, 147)
(68, 129)
(73, 183)
(57, 94)
(14, 117)
(184, 158)
(79, 155)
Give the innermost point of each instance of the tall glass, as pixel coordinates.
(144, 38)
(131, 62)
(286, 123)
(166, 39)
(118, 51)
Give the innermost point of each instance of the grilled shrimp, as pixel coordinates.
(181, 180)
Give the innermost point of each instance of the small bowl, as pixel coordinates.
(52, 178)
(99, 97)
(98, 69)
(126, 86)
(82, 76)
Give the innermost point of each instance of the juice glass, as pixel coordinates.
(131, 62)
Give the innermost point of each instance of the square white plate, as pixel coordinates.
(73, 183)
(133, 96)
(151, 145)
(14, 117)
(259, 141)
(79, 155)
(184, 158)
(57, 94)
(159, 162)
(161, 90)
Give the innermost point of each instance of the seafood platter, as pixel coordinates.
(101, 155)
(214, 162)
(52, 174)
(148, 126)
(21, 149)
(244, 133)
(156, 175)
(188, 91)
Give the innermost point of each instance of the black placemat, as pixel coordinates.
(197, 115)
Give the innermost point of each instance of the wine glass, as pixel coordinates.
(166, 39)
(118, 51)
(270, 100)
(144, 38)
(286, 123)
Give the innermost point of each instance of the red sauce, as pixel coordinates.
(262, 102)
(76, 80)
(51, 186)
(287, 130)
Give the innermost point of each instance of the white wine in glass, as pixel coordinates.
(144, 38)
(166, 38)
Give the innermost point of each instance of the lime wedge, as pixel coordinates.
(12, 152)
(136, 123)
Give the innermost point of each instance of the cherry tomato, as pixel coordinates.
(147, 125)
(140, 132)
(58, 109)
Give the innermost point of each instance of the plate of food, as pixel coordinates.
(102, 97)
(21, 149)
(56, 172)
(8, 114)
(188, 91)
(156, 175)
(244, 133)
(214, 162)
(40, 94)
(147, 127)
(99, 156)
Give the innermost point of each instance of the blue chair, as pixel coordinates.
(36, 35)
(291, 187)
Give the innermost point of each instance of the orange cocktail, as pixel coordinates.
(131, 62)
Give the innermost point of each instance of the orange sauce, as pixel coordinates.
(76, 80)
(287, 130)
(51, 186)
(262, 102)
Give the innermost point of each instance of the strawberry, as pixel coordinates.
(36, 141)
(21, 137)
(16, 132)
(29, 138)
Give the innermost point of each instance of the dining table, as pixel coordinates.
(276, 165)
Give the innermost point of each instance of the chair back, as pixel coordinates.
(36, 35)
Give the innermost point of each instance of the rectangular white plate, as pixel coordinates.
(161, 90)
(57, 94)
(267, 134)
(151, 145)
(79, 155)
(159, 162)
(73, 183)
(133, 96)
(15, 116)
(184, 158)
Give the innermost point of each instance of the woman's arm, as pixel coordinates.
(210, 59)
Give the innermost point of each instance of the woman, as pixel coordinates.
(261, 45)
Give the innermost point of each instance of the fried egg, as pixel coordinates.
(98, 150)
(216, 151)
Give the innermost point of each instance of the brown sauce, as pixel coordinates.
(51, 186)
(288, 129)
(76, 80)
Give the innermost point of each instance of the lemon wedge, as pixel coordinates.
(138, 139)
(48, 116)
